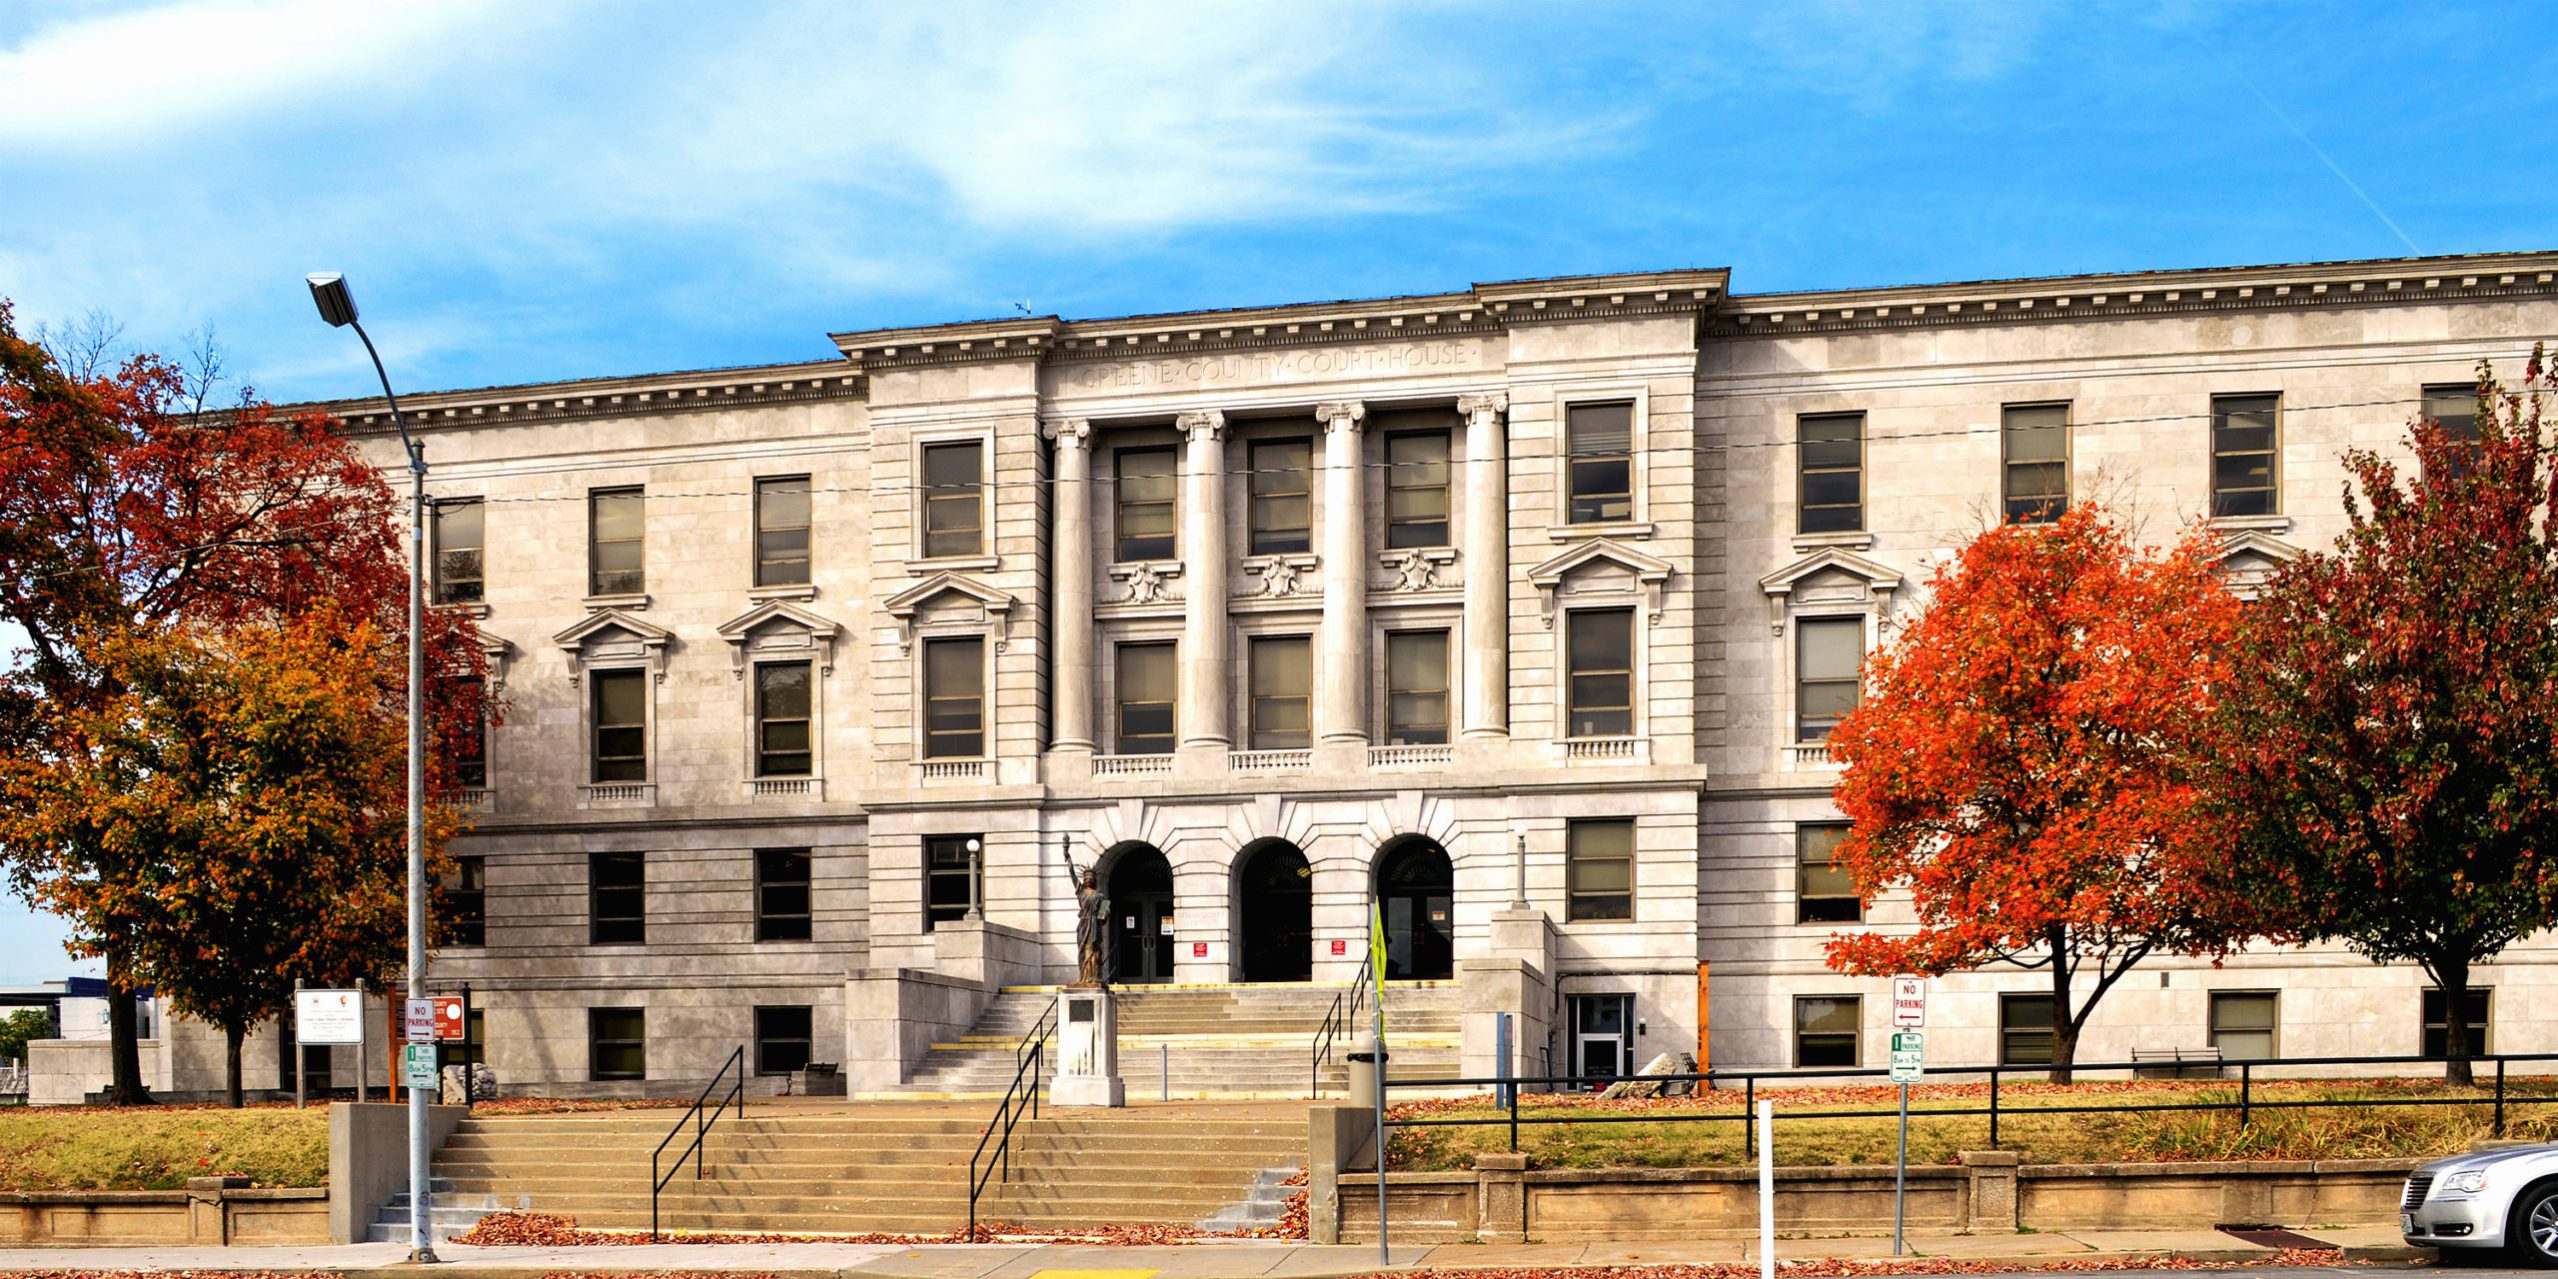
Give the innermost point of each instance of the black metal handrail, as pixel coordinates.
(1339, 1023)
(697, 1151)
(2493, 1093)
(1028, 1057)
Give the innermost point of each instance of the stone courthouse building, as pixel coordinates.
(1523, 609)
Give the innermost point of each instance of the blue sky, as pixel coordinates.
(535, 190)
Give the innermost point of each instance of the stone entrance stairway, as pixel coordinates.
(1215, 1041)
(890, 1168)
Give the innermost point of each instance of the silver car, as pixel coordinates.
(2505, 1198)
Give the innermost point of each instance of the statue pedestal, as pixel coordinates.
(1087, 1050)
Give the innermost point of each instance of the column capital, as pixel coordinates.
(1067, 431)
(1202, 425)
(1487, 402)
(1341, 415)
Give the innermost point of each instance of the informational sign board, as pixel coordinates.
(1909, 1056)
(328, 1016)
(450, 1025)
(417, 1065)
(1909, 1002)
(417, 1021)
(1199, 950)
(1340, 946)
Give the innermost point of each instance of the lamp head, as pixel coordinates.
(329, 292)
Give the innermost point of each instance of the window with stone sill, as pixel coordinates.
(616, 539)
(2455, 405)
(954, 499)
(782, 531)
(1146, 483)
(1830, 473)
(950, 877)
(1416, 688)
(1599, 649)
(1146, 685)
(470, 744)
(617, 899)
(616, 1044)
(1829, 652)
(784, 740)
(1599, 443)
(2244, 1024)
(2025, 1030)
(955, 698)
(1417, 475)
(1281, 485)
(460, 534)
(1282, 678)
(1598, 864)
(1823, 892)
(2034, 448)
(2246, 453)
(619, 714)
(2436, 1039)
(465, 902)
(1826, 1030)
(782, 900)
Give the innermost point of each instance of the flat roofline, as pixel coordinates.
(2166, 277)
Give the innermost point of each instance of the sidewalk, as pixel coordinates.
(1240, 1259)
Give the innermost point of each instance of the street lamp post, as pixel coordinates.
(337, 306)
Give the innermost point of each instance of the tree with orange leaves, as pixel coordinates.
(2026, 762)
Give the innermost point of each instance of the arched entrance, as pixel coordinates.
(1274, 907)
(1140, 890)
(1416, 892)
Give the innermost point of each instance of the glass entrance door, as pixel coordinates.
(1141, 923)
(1602, 1036)
(1415, 892)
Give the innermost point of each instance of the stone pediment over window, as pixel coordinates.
(612, 637)
(1599, 567)
(951, 597)
(1831, 578)
(780, 629)
(2249, 558)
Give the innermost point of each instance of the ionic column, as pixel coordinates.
(1341, 709)
(1487, 565)
(1204, 646)
(1070, 539)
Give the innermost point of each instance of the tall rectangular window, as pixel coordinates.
(616, 1044)
(2436, 1041)
(781, 531)
(1417, 688)
(470, 746)
(1823, 893)
(621, 725)
(617, 899)
(954, 499)
(1417, 489)
(1282, 693)
(950, 877)
(2025, 1030)
(461, 530)
(1148, 480)
(955, 698)
(1599, 644)
(1598, 863)
(2246, 434)
(1282, 496)
(784, 744)
(2455, 406)
(1148, 682)
(2243, 1024)
(781, 894)
(1828, 651)
(1825, 1030)
(2034, 451)
(1830, 457)
(782, 1039)
(1600, 438)
(616, 530)
(466, 903)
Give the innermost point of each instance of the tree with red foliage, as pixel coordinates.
(2392, 745)
(127, 511)
(2025, 762)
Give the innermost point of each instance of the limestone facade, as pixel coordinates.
(1151, 587)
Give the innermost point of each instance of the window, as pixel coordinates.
(2034, 452)
(1417, 489)
(2454, 405)
(1282, 688)
(1148, 681)
(954, 499)
(782, 745)
(1823, 893)
(2243, 1024)
(1598, 858)
(781, 894)
(950, 877)
(955, 698)
(460, 531)
(470, 762)
(1828, 652)
(466, 903)
(2437, 1036)
(1147, 482)
(2025, 1030)
(1282, 503)
(617, 899)
(1601, 440)
(1825, 1029)
(1417, 688)
(781, 1040)
(1830, 452)
(621, 725)
(2244, 435)
(781, 531)
(1600, 645)
(616, 1043)
(616, 522)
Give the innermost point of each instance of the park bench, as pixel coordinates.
(2176, 1063)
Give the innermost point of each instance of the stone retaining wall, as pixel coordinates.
(211, 1210)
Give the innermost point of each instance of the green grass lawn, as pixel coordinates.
(1641, 1138)
(158, 1148)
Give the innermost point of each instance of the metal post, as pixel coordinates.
(1765, 1113)
(1993, 1107)
(2500, 1097)
(1749, 1112)
(1377, 975)
(1901, 1174)
(301, 1055)
(1501, 1060)
(2244, 1096)
(470, 1069)
(363, 1071)
(1514, 1119)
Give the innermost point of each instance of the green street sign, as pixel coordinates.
(1909, 1056)
(417, 1065)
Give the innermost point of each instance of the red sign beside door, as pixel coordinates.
(1199, 950)
(1340, 947)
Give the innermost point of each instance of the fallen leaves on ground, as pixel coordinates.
(571, 1105)
(1861, 1269)
(549, 1230)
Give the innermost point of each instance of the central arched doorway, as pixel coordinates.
(1275, 906)
(1416, 892)
(1140, 891)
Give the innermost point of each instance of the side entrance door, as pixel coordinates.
(1602, 1036)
